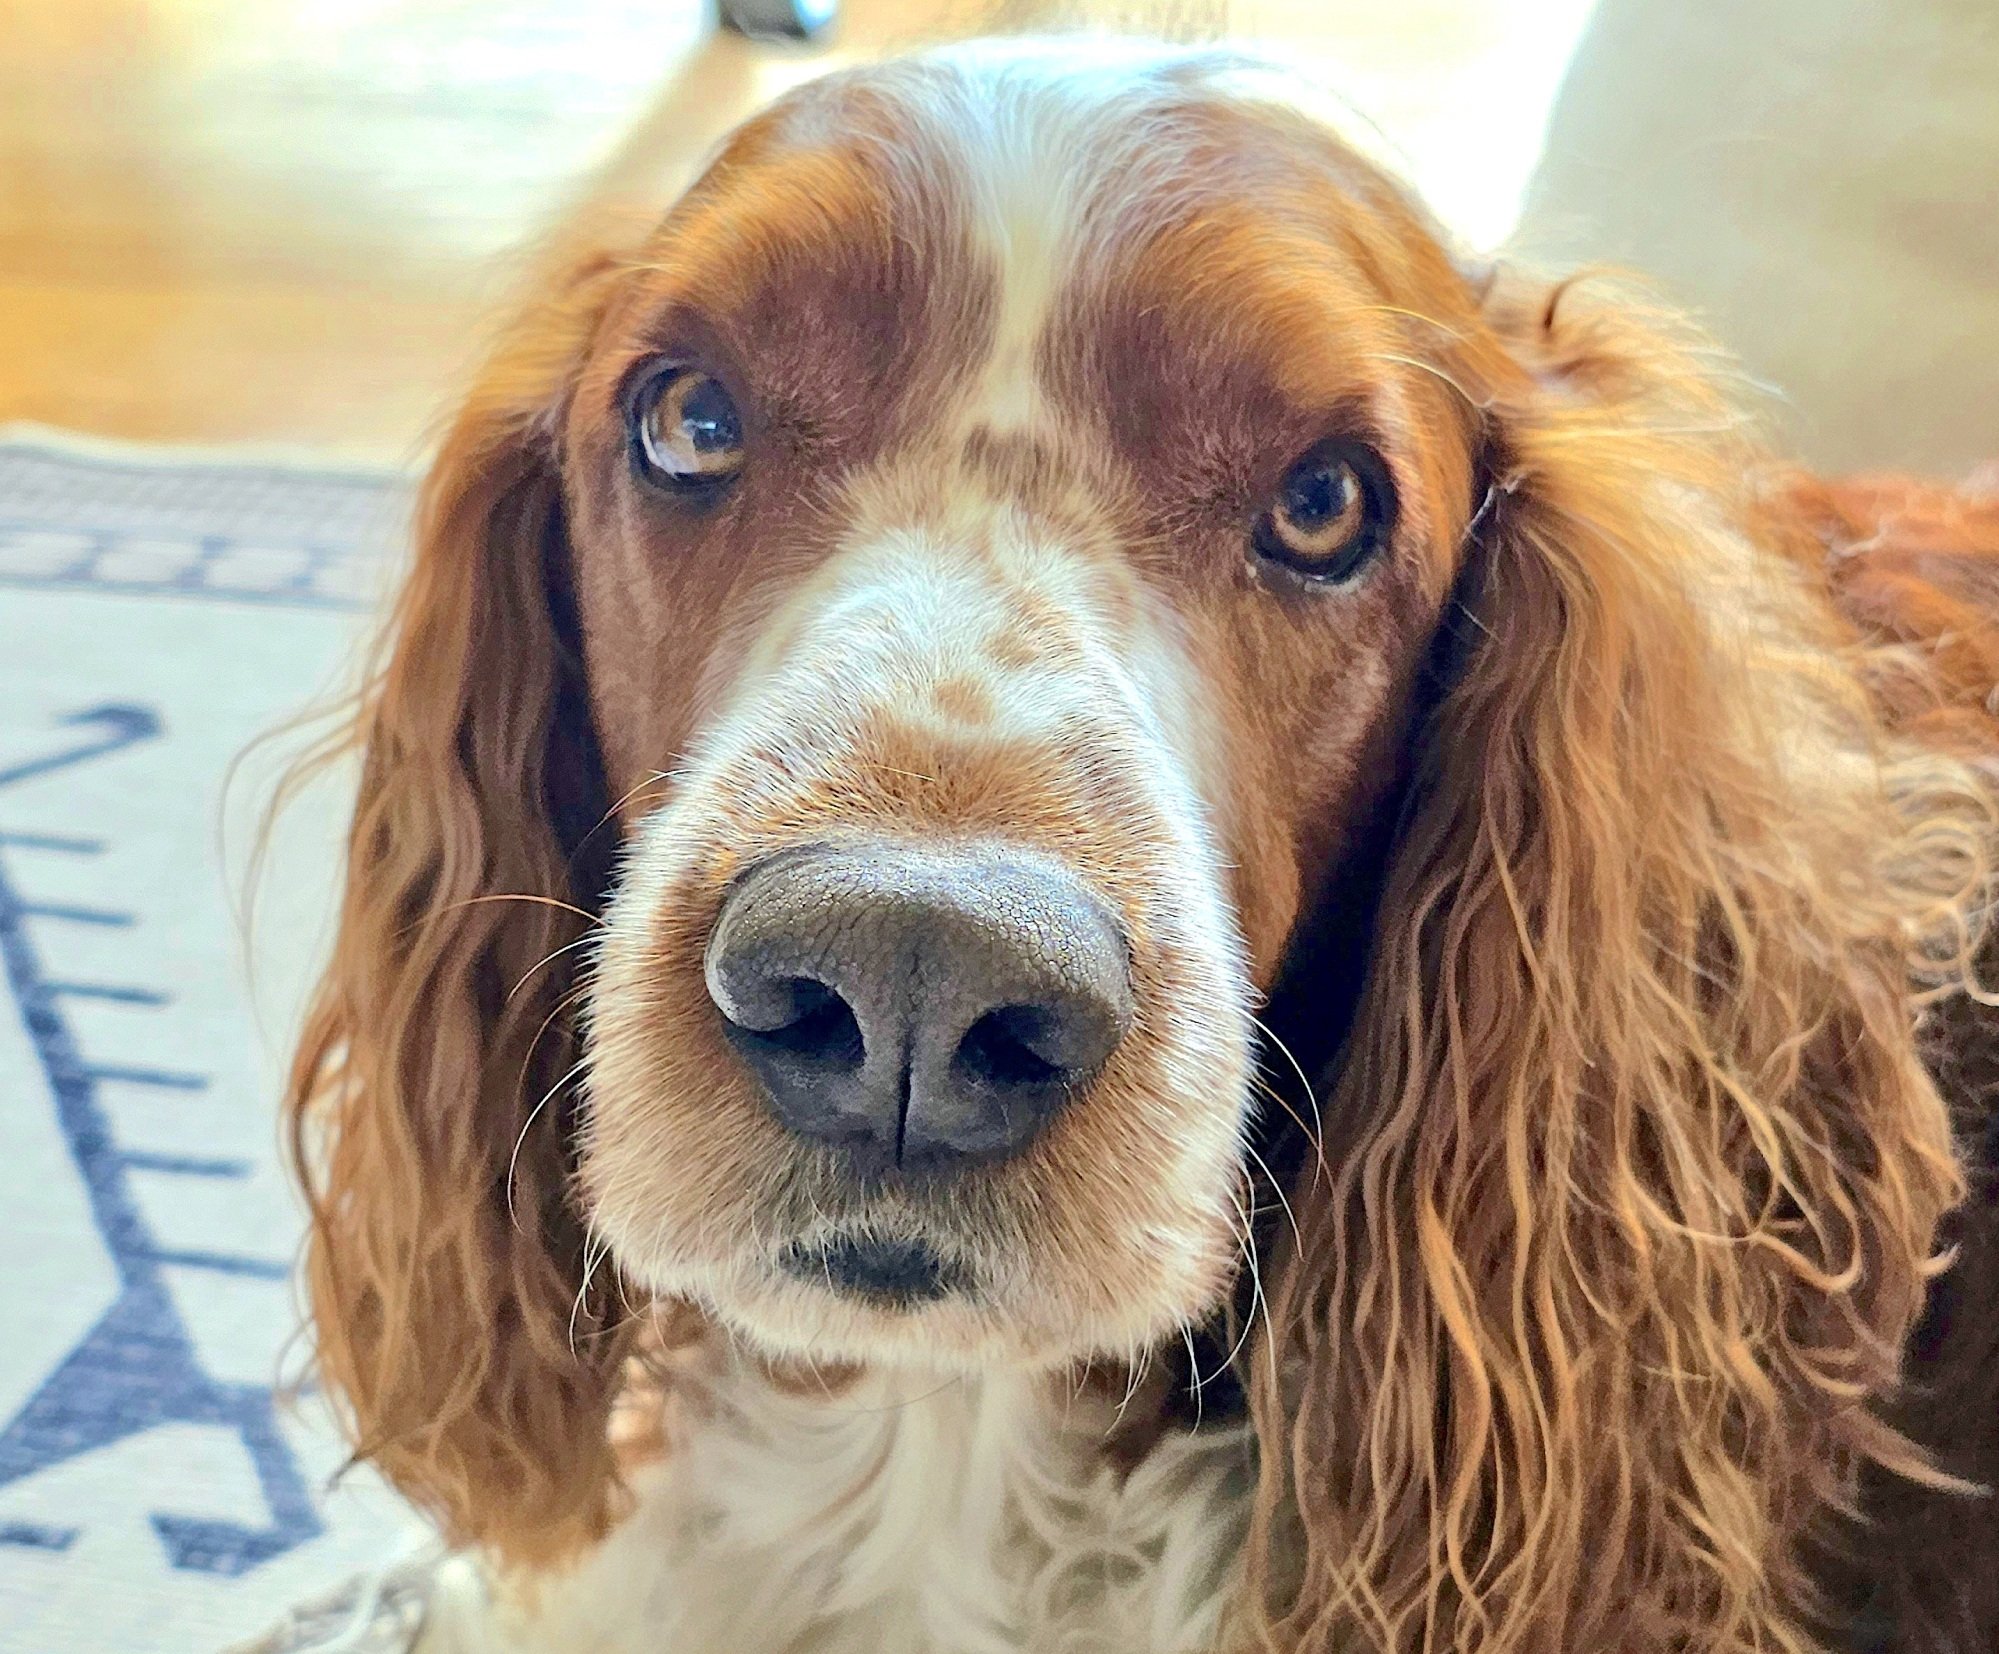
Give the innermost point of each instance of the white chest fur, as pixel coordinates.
(962, 1516)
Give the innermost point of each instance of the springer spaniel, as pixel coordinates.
(1097, 907)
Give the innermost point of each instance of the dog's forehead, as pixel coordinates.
(1051, 144)
(1023, 163)
(974, 215)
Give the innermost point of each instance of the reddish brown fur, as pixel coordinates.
(1630, 1172)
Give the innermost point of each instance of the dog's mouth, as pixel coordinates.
(887, 1273)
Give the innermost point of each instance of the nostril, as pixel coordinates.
(821, 1027)
(1004, 1048)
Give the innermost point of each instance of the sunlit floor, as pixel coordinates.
(287, 221)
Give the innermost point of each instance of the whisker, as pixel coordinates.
(1277, 1189)
(1248, 1248)
(548, 959)
(1448, 329)
(1259, 1299)
(1194, 1379)
(574, 994)
(1504, 487)
(513, 896)
(1137, 1364)
(1073, 1380)
(1304, 1126)
(653, 779)
(1473, 402)
(590, 1261)
(632, 1310)
(1311, 1096)
(527, 1125)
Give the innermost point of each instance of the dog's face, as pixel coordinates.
(1006, 515)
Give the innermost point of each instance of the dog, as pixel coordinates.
(1097, 904)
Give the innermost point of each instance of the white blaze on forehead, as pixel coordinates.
(1049, 143)
(1026, 211)
(1041, 135)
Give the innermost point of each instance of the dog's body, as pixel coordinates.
(1041, 559)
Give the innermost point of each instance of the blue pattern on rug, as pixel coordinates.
(161, 1494)
(241, 533)
(136, 1368)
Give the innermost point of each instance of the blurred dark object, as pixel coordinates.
(1817, 179)
(779, 19)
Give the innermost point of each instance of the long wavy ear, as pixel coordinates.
(1633, 1172)
(428, 1102)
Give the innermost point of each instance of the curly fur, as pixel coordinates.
(446, 1257)
(1638, 1167)
(1585, 1324)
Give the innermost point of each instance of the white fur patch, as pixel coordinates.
(1044, 137)
(903, 1516)
(1028, 136)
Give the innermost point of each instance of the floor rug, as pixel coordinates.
(158, 614)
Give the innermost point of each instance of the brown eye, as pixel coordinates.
(1332, 513)
(685, 430)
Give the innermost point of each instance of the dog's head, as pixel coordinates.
(1000, 551)
(1034, 549)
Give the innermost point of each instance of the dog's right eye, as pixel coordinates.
(685, 430)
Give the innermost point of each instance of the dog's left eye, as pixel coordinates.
(686, 432)
(1332, 513)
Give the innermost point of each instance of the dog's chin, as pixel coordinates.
(901, 1304)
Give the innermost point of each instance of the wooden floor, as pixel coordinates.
(287, 221)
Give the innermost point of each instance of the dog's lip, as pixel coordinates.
(890, 1272)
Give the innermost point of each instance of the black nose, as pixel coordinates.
(920, 1010)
